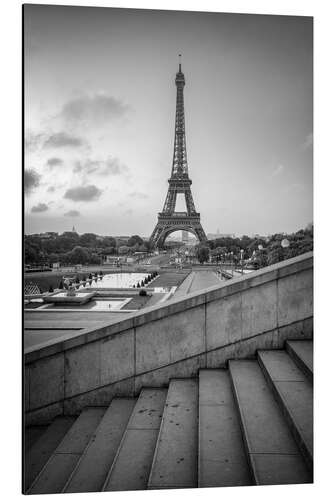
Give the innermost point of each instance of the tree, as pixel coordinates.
(31, 254)
(202, 253)
(78, 255)
(53, 257)
(123, 250)
(107, 242)
(94, 258)
(88, 240)
(135, 239)
(66, 242)
(109, 251)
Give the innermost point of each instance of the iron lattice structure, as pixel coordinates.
(179, 183)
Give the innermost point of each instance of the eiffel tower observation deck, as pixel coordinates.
(179, 182)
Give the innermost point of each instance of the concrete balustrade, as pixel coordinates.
(175, 339)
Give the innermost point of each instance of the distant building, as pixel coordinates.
(46, 236)
(261, 237)
(215, 236)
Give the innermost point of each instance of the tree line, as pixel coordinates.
(89, 248)
(261, 251)
(71, 248)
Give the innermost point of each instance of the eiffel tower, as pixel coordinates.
(169, 220)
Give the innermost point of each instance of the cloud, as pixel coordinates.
(308, 143)
(83, 193)
(72, 213)
(110, 166)
(32, 141)
(63, 139)
(139, 196)
(54, 162)
(96, 109)
(31, 180)
(278, 170)
(114, 167)
(41, 207)
(88, 166)
(53, 188)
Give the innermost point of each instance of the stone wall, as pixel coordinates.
(175, 339)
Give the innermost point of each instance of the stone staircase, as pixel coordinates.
(250, 424)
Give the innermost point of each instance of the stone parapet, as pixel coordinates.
(203, 329)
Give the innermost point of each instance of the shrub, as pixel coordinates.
(51, 290)
(142, 293)
(61, 285)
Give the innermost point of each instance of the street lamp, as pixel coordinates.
(261, 257)
(242, 260)
(285, 244)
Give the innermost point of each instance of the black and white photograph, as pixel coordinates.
(168, 239)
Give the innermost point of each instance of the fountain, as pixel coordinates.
(69, 296)
(71, 291)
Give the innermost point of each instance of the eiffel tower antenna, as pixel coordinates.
(179, 183)
(180, 62)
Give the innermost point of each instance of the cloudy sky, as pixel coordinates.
(100, 107)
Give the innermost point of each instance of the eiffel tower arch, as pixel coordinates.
(169, 220)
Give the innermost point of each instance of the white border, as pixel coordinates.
(11, 239)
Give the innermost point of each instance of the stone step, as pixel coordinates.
(302, 353)
(131, 466)
(32, 434)
(294, 393)
(39, 453)
(272, 452)
(94, 465)
(176, 454)
(60, 465)
(222, 456)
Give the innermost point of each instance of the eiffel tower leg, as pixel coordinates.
(189, 201)
(200, 233)
(170, 201)
(156, 235)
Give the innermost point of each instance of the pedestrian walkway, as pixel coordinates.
(196, 281)
(203, 279)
